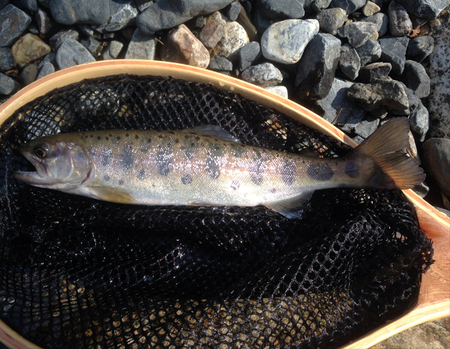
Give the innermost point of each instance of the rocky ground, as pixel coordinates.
(357, 63)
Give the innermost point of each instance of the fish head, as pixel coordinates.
(59, 164)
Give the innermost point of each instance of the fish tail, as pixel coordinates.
(391, 166)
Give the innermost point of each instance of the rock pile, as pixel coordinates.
(354, 62)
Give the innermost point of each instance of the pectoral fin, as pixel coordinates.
(293, 207)
(112, 195)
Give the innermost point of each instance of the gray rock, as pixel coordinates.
(221, 63)
(420, 48)
(69, 12)
(331, 19)
(142, 5)
(46, 69)
(112, 50)
(51, 58)
(436, 161)
(260, 22)
(264, 75)
(348, 6)
(379, 94)
(393, 50)
(29, 5)
(7, 85)
(318, 5)
(7, 61)
(285, 41)
(416, 78)
(419, 119)
(13, 23)
(337, 109)
(399, 22)
(141, 46)
(438, 100)
(28, 74)
(317, 67)
(64, 34)
(369, 52)
(364, 128)
(426, 9)
(374, 71)
(71, 53)
(123, 16)
(381, 20)
(370, 9)
(92, 45)
(278, 90)
(166, 14)
(357, 33)
(248, 55)
(87, 30)
(232, 10)
(44, 22)
(281, 9)
(349, 62)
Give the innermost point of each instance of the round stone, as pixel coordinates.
(285, 41)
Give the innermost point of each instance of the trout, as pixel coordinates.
(207, 166)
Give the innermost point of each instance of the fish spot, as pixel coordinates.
(238, 151)
(258, 167)
(107, 138)
(177, 140)
(98, 137)
(120, 182)
(164, 158)
(127, 134)
(320, 171)
(106, 156)
(126, 158)
(351, 169)
(235, 185)
(136, 137)
(288, 172)
(273, 190)
(190, 149)
(106, 177)
(186, 179)
(141, 174)
(213, 161)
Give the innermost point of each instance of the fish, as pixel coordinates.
(207, 166)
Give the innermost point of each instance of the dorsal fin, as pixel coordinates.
(213, 131)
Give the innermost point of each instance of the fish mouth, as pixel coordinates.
(38, 177)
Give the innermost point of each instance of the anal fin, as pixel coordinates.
(112, 195)
(293, 207)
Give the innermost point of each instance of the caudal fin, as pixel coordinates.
(392, 166)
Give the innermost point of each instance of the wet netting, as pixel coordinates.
(80, 273)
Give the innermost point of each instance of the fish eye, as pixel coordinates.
(41, 151)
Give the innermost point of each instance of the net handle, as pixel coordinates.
(434, 298)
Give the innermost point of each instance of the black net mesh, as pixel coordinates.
(80, 273)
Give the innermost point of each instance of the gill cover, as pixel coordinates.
(59, 165)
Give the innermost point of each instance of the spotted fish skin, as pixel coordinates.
(191, 168)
